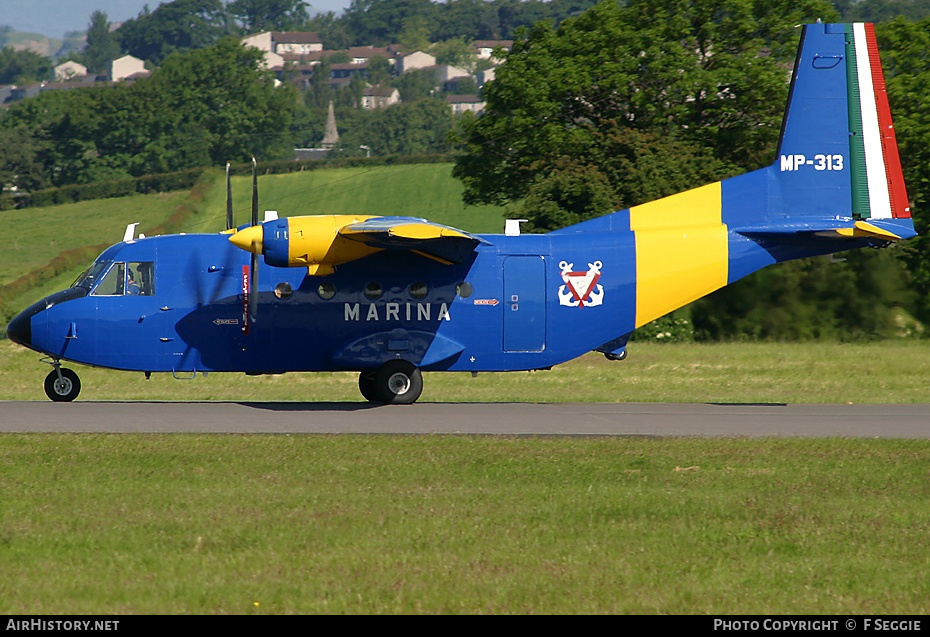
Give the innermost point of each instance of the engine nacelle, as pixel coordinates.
(312, 242)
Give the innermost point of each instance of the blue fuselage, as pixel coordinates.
(524, 302)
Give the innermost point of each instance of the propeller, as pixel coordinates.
(253, 270)
(249, 239)
(229, 206)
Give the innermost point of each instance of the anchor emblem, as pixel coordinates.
(581, 289)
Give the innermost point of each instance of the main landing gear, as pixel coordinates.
(61, 385)
(394, 383)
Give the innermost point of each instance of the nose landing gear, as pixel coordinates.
(61, 385)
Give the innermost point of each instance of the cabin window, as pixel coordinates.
(326, 291)
(373, 291)
(283, 290)
(418, 290)
(464, 289)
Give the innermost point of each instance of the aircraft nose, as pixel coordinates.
(20, 329)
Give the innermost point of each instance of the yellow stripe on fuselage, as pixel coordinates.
(681, 250)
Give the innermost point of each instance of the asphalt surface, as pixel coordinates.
(601, 419)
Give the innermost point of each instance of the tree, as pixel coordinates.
(200, 108)
(415, 85)
(178, 26)
(379, 71)
(102, 45)
(211, 105)
(455, 52)
(415, 35)
(381, 22)
(401, 129)
(333, 31)
(467, 18)
(706, 74)
(882, 10)
(18, 67)
(905, 50)
(20, 161)
(269, 15)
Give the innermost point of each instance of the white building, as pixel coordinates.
(123, 67)
(69, 70)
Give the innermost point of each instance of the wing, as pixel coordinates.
(438, 242)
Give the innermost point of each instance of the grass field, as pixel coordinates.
(881, 372)
(199, 524)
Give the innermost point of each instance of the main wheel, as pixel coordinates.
(366, 385)
(398, 383)
(64, 389)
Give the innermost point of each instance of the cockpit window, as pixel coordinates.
(113, 282)
(106, 278)
(91, 275)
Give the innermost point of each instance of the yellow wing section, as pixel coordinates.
(438, 242)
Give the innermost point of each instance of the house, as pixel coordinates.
(446, 73)
(69, 70)
(483, 77)
(83, 81)
(18, 93)
(362, 54)
(409, 61)
(465, 103)
(126, 67)
(284, 46)
(379, 97)
(347, 70)
(295, 42)
(484, 49)
(285, 42)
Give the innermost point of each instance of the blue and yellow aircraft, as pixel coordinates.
(391, 296)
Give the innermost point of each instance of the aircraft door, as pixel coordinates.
(524, 304)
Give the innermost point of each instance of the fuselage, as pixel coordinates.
(524, 302)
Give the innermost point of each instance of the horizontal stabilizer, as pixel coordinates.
(442, 243)
(881, 230)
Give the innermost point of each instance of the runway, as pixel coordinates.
(519, 419)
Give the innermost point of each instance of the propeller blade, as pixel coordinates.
(254, 193)
(229, 207)
(253, 272)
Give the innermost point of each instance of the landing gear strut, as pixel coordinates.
(394, 383)
(61, 385)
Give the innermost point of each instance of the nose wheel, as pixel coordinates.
(62, 385)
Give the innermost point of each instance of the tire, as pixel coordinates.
(398, 383)
(366, 385)
(64, 390)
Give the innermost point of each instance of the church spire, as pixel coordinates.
(331, 136)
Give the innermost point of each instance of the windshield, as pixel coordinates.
(118, 278)
(91, 275)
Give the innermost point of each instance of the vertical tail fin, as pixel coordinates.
(838, 168)
(838, 153)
